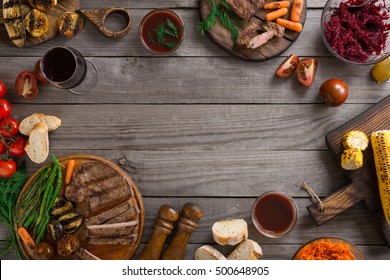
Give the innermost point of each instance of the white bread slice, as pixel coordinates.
(37, 146)
(230, 232)
(208, 252)
(246, 250)
(27, 124)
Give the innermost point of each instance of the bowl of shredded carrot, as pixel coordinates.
(329, 248)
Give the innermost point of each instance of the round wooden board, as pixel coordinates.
(274, 47)
(106, 252)
(53, 16)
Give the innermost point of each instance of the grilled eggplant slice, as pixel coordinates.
(13, 22)
(36, 23)
(55, 230)
(70, 221)
(61, 206)
(42, 5)
(70, 24)
(25, 9)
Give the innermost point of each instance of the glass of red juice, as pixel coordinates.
(274, 214)
(161, 31)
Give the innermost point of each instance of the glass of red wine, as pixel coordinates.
(66, 68)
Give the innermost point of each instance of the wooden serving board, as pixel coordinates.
(53, 16)
(274, 47)
(362, 183)
(106, 251)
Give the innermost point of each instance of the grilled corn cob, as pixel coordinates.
(380, 142)
(352, 159)
(13, 22)
(355, 140)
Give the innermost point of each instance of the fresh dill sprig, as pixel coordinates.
(222, 15)
(167, 29)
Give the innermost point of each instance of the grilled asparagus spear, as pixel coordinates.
(13, 22)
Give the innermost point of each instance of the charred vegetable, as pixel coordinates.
(68, 244)
(55, 229)
(36, 23)
(70, 24)
(61, 206)
(70, 221)
(43, 251)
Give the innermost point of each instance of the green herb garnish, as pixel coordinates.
(219, 10)
(9, 192)
(167, 29)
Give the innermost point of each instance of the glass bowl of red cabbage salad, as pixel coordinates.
(357, 35)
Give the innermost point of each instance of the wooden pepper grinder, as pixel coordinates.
(167, 216)
(191, 214)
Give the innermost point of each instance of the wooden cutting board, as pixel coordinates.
(104, 251)
(53, 16)
(221, 37)
(362, 183)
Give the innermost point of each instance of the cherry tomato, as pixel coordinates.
(3, 147)
(5, 109)
(26, 85)
(306, 71)
(288, 66)
(9, 127)
(334, 92)
(3, 89)
(44, 251)
(7, 168)
(38, 73)
(17, 148)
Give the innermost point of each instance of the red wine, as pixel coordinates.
(64, 67)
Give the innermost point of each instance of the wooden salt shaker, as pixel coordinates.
(191, 214)
(167, 216)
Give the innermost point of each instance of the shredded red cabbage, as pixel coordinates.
(355, 34)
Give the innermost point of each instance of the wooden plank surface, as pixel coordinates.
(203, 126)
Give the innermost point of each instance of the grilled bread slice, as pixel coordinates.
(42, 5)
(36, 23)
(70, 24)
(13, 22)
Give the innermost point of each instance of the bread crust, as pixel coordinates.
(214, 253)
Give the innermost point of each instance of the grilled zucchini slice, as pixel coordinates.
(42, 5)
(36, 23)
(13, 22)
(70, 24)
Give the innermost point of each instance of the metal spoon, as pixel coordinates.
(360, 5)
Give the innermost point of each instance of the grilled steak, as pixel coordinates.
(98, 182)
(277, 29)
(271, 30)
(112, 230)
(123, 240)
(130, 215)
(250, 28)
(113, 212)
(83, 254)
(245, 8)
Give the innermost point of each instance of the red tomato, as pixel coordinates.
(38, 73)
(3, 89)
(3, 148)
(288, 66)
(17, 148)
(26, 85)
(9, 127)
(5, 109)
(334, 92)
(7, 168)
(306, 71)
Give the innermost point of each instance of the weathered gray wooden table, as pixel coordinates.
(203, 126)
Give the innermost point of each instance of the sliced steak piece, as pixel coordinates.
(123, 240)
(112, 230)
(250, 28)
(83, 254)
(245, 8)
(130, 215)
(271, 30)
(277, 29)
(109, 198)
(112, 213)
(99, 183)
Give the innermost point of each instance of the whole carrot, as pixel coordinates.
(276, 14)
(26, 238)
(69, 171)
(296, 10)
(276, 5)
(294, 26)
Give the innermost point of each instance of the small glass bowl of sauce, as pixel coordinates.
(161, 31)
(274, 214)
